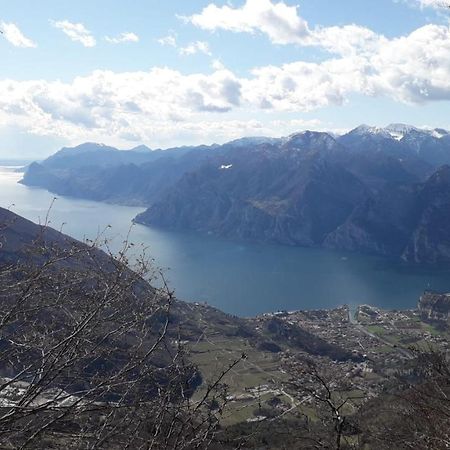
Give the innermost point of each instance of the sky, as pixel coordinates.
(179, 72)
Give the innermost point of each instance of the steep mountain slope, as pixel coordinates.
(17, 235)
(290, 195)
(410, 222)
(430, 241)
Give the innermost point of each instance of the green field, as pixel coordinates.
(255, 380)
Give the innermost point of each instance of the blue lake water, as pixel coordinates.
(242, 279)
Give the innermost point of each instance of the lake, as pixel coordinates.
(242, 279)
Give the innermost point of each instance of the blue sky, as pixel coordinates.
(188, 72)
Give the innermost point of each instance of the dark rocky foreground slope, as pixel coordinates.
(18, 236)
(379, 190)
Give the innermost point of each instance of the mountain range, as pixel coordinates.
(378, 190)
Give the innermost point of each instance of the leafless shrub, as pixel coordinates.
(88, 358)
(417, 414)
(334, 401)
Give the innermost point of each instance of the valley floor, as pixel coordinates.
(264, 386)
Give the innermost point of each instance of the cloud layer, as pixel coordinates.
(279, 21)
(161, 102)
(135, 105)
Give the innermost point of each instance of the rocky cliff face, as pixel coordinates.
(292, 195)
(402, 221)
(311, 192)
(430, 241)
(435, 306)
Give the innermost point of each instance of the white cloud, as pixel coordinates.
(77, 32)
(283, 25)
(347, 40)
(410, 69)
(279, 21)
(114, 104)
(217, 64)
(439, 5)
(414, 68)
(434, 3)
(195, 47)
(13, 35)
(189, 49)
(303, 86)
(169, 40)
(123, 37)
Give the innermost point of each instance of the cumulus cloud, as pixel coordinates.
(13, 35)
(414, 68)
(279, 21)
(303, 86)
(217, 64)
(195, 47)
(112, 104)
(347, 40)
(77, 32)
(410, 69)
(284, 25)
(122, 37)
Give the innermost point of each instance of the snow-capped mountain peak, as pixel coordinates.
(438, 133)
(398, 131)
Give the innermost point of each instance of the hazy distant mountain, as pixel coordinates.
(91, 154)
(252, 141)
(364, 190)
(141, 149)
(96, 172)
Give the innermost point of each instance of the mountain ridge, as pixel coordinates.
(310, 188)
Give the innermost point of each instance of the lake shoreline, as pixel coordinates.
(240, 278)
